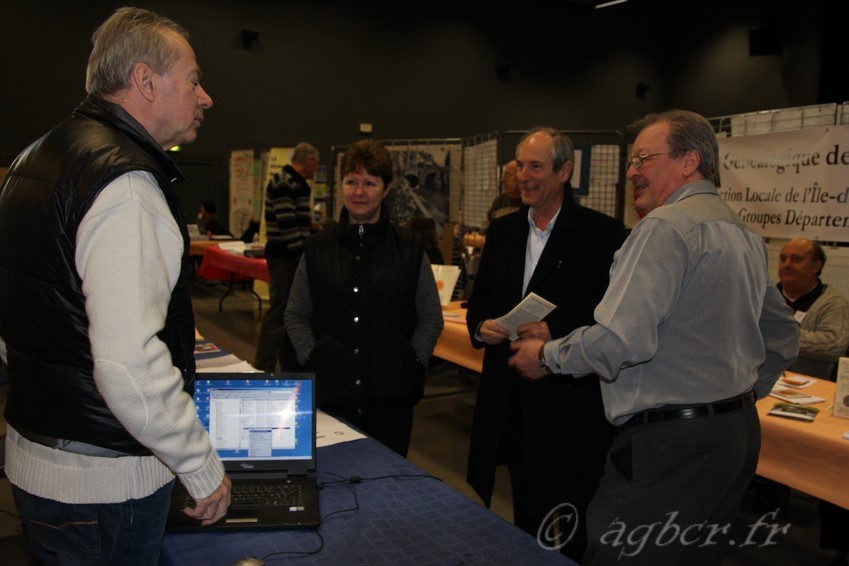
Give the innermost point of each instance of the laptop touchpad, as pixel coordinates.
(241, 516)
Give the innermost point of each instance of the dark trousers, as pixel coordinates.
(563, 525)
(671, 491)
(115, 533)
(274, 345)
(834, 530)
(559, 520)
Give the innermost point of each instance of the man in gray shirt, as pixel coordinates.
(689, 333)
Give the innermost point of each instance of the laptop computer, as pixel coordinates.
(263, 427)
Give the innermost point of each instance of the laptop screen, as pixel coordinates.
(262, 418)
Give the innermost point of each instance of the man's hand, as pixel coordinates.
(492, 333)
(525, 360)
(211, 509)
(534, 330)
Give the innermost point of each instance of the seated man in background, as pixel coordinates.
(208, 219)
(511, 197)
(821, 310)
(824, 315)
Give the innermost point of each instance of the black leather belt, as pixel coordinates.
(661, 415)
(73, 446)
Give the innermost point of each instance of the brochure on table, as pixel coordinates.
(791, 411)
(795, 396)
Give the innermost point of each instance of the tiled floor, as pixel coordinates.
(440, 443)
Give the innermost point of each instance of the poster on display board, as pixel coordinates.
(422, 182)
(244, 190)
(789, 184)
(273, 161)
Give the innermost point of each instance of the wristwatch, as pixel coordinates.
(542, 363)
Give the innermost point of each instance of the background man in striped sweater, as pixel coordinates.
(288, 219)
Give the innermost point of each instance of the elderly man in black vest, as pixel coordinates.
(95, 309)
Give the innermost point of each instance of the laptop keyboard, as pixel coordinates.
(276, 495)
(273, 495)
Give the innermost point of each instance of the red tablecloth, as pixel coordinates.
(197, 247)
(220, 265)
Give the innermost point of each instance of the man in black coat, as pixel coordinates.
(552, 433)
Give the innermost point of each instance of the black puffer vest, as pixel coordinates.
(363, 280)
(43, 321)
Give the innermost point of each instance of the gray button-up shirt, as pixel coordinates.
(690, 315)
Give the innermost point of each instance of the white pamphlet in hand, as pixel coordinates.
(533, 308)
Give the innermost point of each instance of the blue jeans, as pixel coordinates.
(113, 533)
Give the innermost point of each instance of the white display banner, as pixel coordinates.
(244, 203)
(789, 184)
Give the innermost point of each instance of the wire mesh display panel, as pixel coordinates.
(843, 113)
(481, 179)
(780, 120)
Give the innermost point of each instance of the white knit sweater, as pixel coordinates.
(128, 254)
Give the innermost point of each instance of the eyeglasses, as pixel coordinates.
(637, 161)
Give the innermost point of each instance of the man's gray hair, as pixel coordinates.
(128, 37)
(688, 131)
(564, 149)
(303, 152)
